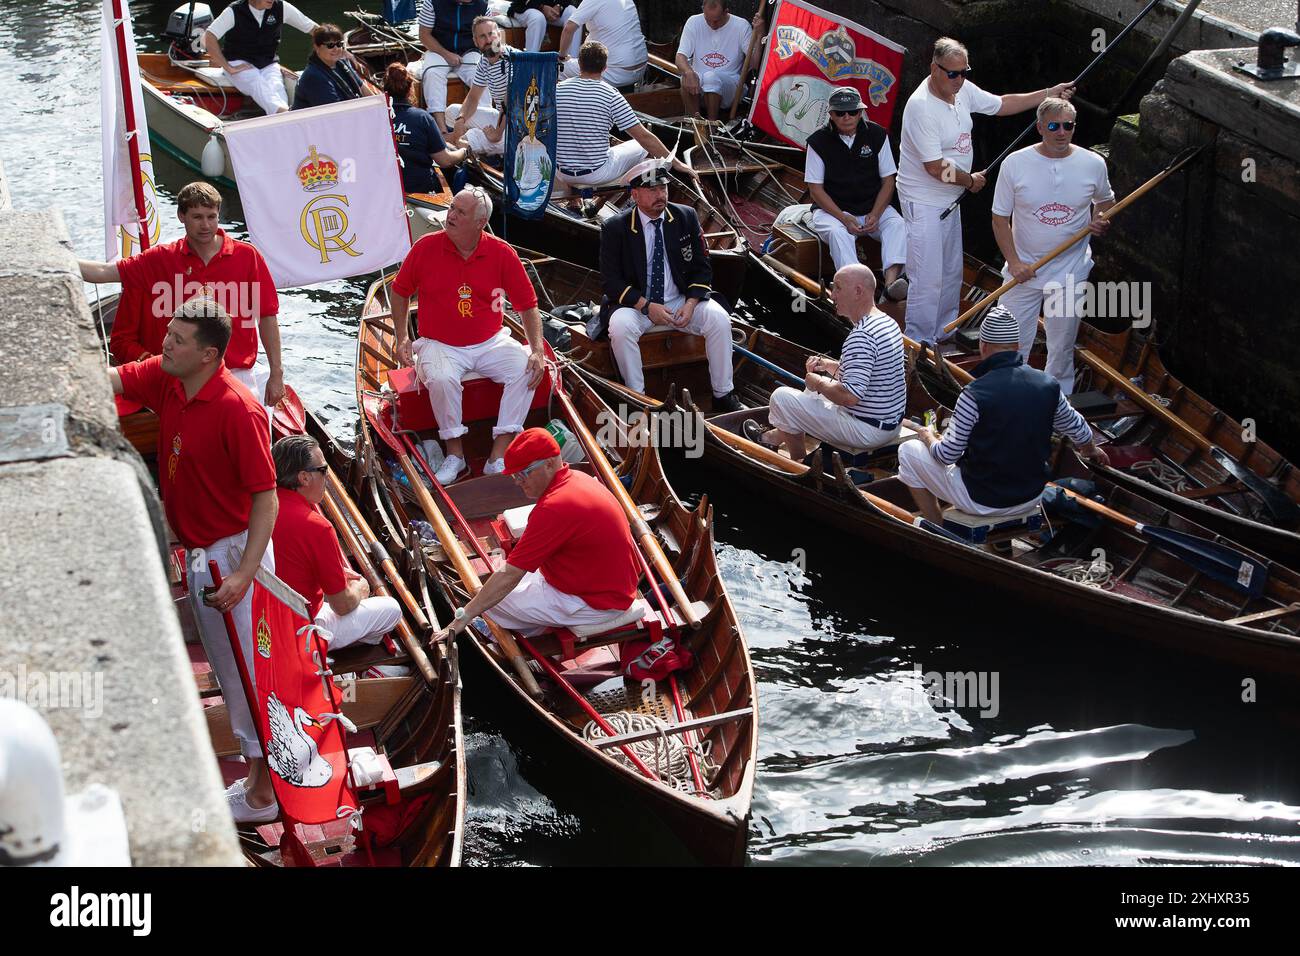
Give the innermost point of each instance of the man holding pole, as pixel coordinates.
(936, 156)
(217, 484)
(1045, 194)
(576, 563)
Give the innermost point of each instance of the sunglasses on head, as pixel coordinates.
(332, 44)
(953, 74)
(1054, 125)
(845, 112)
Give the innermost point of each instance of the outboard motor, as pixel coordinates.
(185, 29)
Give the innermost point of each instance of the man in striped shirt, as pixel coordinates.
(992, 459)
(857, 403)
(481, 127)
(587, 109)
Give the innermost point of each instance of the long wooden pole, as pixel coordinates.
(120, 19)
(640, 529)
(1179, 162)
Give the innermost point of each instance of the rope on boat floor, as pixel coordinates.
(1163, 474)
(1097, 573)
(666, 754)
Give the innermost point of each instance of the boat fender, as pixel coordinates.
(213, 163)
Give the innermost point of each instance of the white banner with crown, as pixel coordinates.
(321, 190)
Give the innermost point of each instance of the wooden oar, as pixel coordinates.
(772, 367)
(755, 40)
(1228, 565)
(640, 530)
(1177, 163)
(1284, 510)
(455, 553)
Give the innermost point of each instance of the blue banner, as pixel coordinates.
(399, 11)
(529, 160)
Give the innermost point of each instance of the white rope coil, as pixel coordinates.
(1097, 573)
(1160, 473)
(665, 754)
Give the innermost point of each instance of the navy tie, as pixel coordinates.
(657, 266)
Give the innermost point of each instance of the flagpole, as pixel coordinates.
(128, 109)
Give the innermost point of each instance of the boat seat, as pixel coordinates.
(864, 459)
(636, 612)
(978, 528)
(214, 77)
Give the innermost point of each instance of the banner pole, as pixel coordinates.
(119, 22)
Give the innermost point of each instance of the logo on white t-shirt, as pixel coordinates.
(963, 143)
(715, 60)
(1054, 213)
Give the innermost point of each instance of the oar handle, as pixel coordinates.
(1095, 506)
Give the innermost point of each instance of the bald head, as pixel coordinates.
(854, 291)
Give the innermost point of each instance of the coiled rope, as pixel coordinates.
(1097, 573)
(1160, 473)
(666, 752)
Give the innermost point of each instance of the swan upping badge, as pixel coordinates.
(809, 53)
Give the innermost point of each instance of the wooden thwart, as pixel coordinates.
(695, 723)
(1276, 614)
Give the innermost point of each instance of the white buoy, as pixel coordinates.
(38, 827)
(214, 159)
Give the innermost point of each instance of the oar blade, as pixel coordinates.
(1285, 512)
(1228, 565)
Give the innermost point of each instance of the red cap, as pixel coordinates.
(530, 445)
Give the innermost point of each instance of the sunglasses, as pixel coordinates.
(332, 44)
(845, 112)
(1054, 125)
(953, 74)
(520, 475)
(319, 469)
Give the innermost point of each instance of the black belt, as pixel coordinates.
(579, 172)
(877, 423)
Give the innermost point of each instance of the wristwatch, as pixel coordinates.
(645, 309)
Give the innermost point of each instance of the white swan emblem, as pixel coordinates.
(800, 106)
(291, 752)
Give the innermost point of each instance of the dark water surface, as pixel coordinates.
(1093, 750)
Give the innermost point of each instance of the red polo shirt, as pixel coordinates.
(578, 536)
(307, 553)
(460, 299)
(214, 450)
(156, 282)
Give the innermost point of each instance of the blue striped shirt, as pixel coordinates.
(872, 367)
(494, 76)
(586, 110)
(949, 450)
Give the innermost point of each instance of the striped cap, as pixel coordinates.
(1000, 327)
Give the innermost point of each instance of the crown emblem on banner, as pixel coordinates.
(317, 171)
(264, 637)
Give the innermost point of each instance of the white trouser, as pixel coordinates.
(366, 623)
(227, 553)
(723, 82)
(254, 379)
(1060, 313)
(620, 158)
(798, 412)
(441, 367)
(433, 77)
(485, 117)
(710, 320)
(534, 606)
(534, 23)
(265, 86)
(890, 232)
(934, 270)
(613, 75)
(917, 468)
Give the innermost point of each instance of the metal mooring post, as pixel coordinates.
(1271, 61)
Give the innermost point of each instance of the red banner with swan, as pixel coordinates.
(299, 708)
(811, 52)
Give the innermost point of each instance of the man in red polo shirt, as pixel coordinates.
(575, 565)
(307, 553)
(207, 262)
(218, 489)
(461, 275)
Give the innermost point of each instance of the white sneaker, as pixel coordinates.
(494, 466)
(452, 467)
(237, 797)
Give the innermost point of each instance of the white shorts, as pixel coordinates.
(613, 75)
(485, 117)
(534, 606)
(722, 82)
(917, 468)
(798, 412)
(366, 623)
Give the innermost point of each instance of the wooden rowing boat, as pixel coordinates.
(414, 720)
(717, 693)
(578, 231)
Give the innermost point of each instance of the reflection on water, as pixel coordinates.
(1097, 752)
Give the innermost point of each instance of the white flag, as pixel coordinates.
(321, 190)
(119, 71)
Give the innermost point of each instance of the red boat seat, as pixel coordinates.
(480, 399)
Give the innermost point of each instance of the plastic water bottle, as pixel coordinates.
(570, 447)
